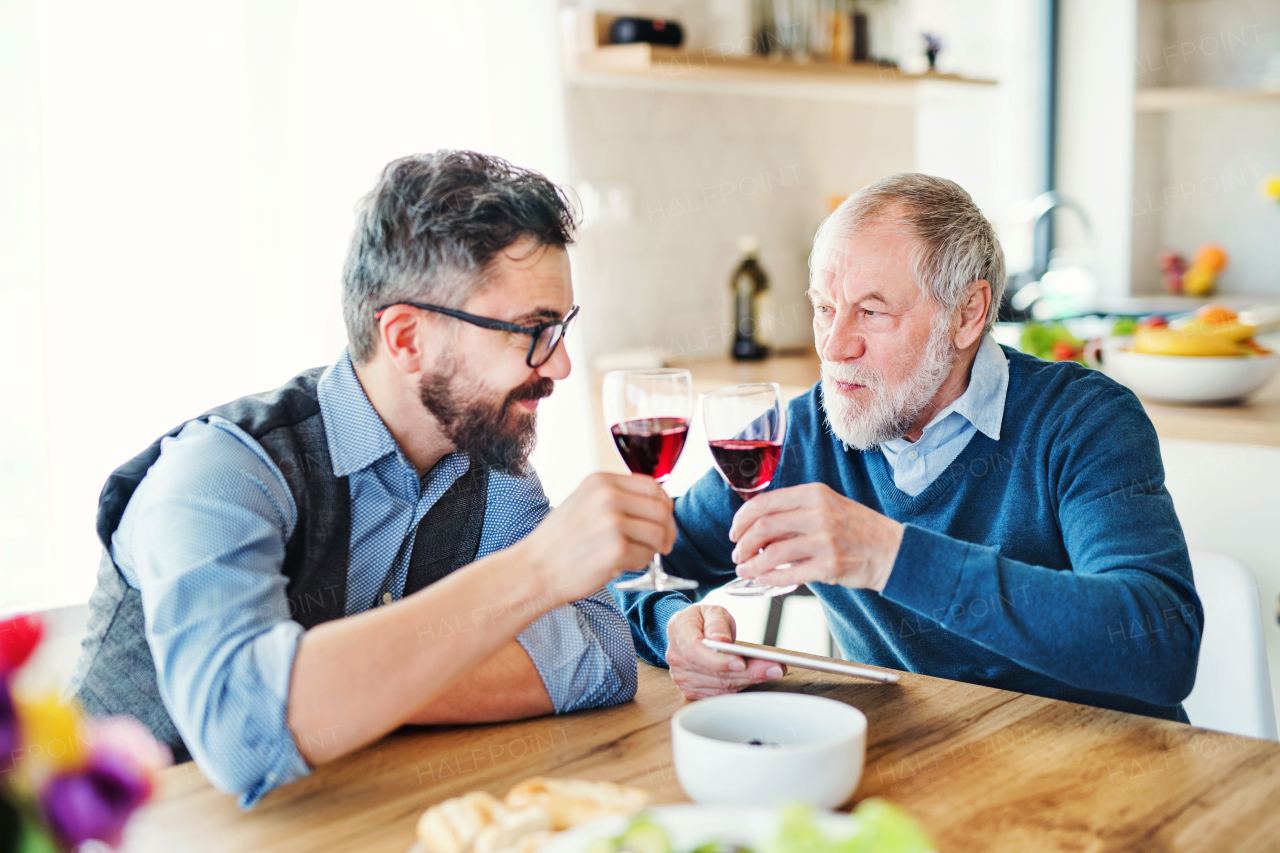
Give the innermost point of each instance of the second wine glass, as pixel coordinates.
(746, 426)
(648, 415)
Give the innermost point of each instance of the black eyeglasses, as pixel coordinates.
(545, 336)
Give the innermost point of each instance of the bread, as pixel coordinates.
(510, 828)
(478, 822)
(571, 801)
(453, 825)
(530, 843)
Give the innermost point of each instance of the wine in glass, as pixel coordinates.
(746, 425)
(648, 415)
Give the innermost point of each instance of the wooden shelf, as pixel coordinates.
(643, 66)
(1155, 99)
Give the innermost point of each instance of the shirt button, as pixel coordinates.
(386, 598)
(912, 454)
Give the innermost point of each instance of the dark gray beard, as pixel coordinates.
(483, 429)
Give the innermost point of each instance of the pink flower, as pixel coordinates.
(127, 737)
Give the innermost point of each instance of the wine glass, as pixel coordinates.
(648, 414)
(746, 425)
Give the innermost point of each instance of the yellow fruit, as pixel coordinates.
(1198, 281)
(1184, 341)
(1232, 330)
(1271, 187)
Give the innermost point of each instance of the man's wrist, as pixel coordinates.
(538, 571)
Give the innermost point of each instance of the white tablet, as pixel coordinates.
(797, 660)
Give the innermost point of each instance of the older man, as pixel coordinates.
(960, 509)
(292, 575)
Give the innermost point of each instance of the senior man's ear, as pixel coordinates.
(973, 314)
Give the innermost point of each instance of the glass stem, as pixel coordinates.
(656, 568)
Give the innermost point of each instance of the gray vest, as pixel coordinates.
(116, 673)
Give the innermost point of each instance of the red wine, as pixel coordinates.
(747, 465)
(651, 445)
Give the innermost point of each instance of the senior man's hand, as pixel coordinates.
(812, 533)
(700, 672)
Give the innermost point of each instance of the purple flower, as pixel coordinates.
(8, 728)
(96, 800)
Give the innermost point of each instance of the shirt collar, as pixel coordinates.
(356, 435)
(982, 403)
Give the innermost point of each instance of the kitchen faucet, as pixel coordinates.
(1023, 289)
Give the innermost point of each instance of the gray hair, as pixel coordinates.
(955, 244)
(432, 226)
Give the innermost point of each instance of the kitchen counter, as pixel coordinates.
(1256, 421)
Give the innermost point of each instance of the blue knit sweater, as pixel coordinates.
(1049, 562)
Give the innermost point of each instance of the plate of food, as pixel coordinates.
(876, 826)
(542, 815)
(1209, 357)
(529, 816)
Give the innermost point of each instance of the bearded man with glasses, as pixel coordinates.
(292, 575)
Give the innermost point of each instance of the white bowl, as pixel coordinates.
(1187, 378)
(808, 749)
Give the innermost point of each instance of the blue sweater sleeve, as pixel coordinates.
(702, 553)
(1125, 618)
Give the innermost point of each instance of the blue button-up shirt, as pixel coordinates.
(203, 539)
(979, 409)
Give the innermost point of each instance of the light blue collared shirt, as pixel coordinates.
(979, 409)
(203, 539)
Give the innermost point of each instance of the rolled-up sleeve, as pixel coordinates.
(583, 651)
(203, 539)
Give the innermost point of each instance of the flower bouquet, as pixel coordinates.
(65, 778)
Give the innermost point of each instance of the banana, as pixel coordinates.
(1232, 330)
(1185, 341)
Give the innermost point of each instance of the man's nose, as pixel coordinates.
(558, 366)
(844, 341)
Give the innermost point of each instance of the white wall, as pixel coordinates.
(1095, 130)
(700, 170)
(24, 449)
(184, 178)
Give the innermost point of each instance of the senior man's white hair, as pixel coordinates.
(955, 244)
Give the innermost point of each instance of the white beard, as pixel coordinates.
(891, 411)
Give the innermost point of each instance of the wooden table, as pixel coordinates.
(982, 769)
(1255, 421)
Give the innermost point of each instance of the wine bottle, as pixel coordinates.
(749, 285)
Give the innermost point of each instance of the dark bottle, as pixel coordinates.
(861, 38)
(749, 284)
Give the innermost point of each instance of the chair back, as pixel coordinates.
(1233, 688)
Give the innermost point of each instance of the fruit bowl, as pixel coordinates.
(1187, 378)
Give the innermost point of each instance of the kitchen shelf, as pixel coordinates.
(1156, 99)
(643, 66)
